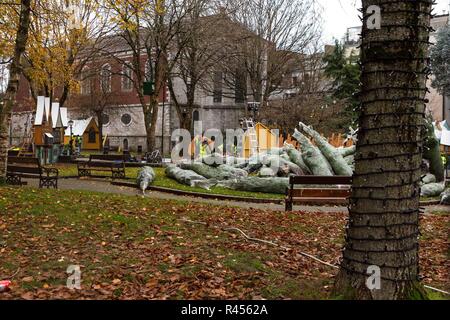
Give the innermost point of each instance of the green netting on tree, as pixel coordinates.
(145, 177)
(345, 152)
(281, 166)
(312, 156)
(432, 151)
(296, 157)
(432, 189)
(222, 172)
(445, 197)
(254, 184)
(334, 157)
(186, 177)
(266, 172)
(429, 178)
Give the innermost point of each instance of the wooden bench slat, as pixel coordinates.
(22, 169)
(23, 160)
(99, 164)
(105, 163)
(316, 195)
(324, 193)
(314, 200)
(334, 180)
(108, 157)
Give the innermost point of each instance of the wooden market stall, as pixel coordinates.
(88, 130)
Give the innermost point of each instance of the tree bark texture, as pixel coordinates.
(383, 226)
(13, 83)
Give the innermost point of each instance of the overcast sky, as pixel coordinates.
(342, 14)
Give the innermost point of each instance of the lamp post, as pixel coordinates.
(71, 139)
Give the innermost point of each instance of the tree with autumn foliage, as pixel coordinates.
(20, 28)
(62, 40)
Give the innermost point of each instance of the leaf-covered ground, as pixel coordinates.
(139, 248)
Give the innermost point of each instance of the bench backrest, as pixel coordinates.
(326, 192)
(108, 157)
(24, 160)
(321, 180)
(24, 165)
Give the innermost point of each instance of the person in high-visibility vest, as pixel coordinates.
(203, 148)
(197, 146)
(234, 150)
(444, 160)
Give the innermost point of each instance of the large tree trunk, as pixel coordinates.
(151, 118)
(13, 84)
(383, 225)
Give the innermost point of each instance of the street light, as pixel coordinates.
(71, 139)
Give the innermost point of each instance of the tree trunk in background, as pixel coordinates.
(186, 120)
(151, 118)
(13, 84)
(99, 115)
(383, 225)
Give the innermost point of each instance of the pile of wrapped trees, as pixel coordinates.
(268, 171)
(432, 182)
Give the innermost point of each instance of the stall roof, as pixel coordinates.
(64, 119)
(47, 108)
(56, 116)
(79, 127)
(39, 111)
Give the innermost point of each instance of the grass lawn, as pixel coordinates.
(163, 181)
(131, 247)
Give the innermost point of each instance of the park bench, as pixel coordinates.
(103, 163)
(336, 190)
(24, 167)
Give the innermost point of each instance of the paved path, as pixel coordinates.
(100, 185)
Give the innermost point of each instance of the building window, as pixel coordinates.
(105, 119)
(127, 83)
(126, 119)
(105, 78)
(240, 89)
(295, 81)
(92, 136)
(196, 116)
(85, 82)
(125, 144)
(218, 77)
